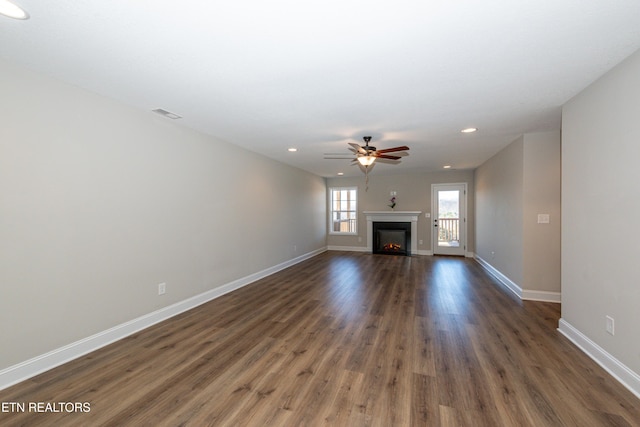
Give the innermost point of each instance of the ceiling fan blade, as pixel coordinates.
(338, 158)
(384, 156)
(398, 153)
(391, 150)
(358, 148)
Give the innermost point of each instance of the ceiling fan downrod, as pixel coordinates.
(366, 147)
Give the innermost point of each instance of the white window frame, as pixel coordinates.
(332, 210)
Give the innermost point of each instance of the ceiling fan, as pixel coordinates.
(367, 154)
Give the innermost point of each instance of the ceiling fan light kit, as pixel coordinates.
(366, 160)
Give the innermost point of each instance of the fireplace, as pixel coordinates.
(393, 238)
(410, 217)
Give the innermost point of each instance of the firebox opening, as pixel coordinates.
(392, 238)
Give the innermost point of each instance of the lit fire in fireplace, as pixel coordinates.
(392, 247)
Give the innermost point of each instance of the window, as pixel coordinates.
(344, 213)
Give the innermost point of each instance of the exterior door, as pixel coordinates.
(449, 219)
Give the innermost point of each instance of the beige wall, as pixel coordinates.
(512, 188)
(99, 203)
(413, 193)
(601, 207)
(541, 195)
(499, 211)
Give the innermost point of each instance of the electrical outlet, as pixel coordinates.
(162, 288)
(419, 242)
(611, 326)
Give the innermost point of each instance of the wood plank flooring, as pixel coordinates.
(344, 339)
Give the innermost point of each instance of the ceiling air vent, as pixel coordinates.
(166, 113)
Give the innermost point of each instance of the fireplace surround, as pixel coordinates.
(390, 217)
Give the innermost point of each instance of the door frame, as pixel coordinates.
(438, 250)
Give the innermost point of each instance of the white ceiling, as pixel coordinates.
(269, 75)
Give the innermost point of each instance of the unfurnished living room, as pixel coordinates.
(410, 213)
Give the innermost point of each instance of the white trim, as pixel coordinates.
(39, 364)
(544, 296)
(347, 248)
(523, 294)
(619, 371)
(504, 280)
(392, 215)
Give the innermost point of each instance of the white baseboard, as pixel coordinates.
(523, 294)
(39, 364)
(504, 280)
(544, 296)
(613, 366)
(347, 248)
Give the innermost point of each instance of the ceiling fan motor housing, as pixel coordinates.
(368, 148)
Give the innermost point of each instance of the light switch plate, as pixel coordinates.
(543, 218)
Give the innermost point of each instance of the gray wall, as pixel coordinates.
(601, 207)
(413, 193)
(512, 188)
(99, 203)
(541, 195)
(499, 211)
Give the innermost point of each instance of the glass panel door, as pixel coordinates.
(449, 219)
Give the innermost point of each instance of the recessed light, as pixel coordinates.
(446, 167)
(340, 173)
(292, 149)
(12, 10)
(469, 130)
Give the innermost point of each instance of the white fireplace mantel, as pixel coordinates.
(393, 216)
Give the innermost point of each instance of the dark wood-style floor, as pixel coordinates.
(343, 339)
